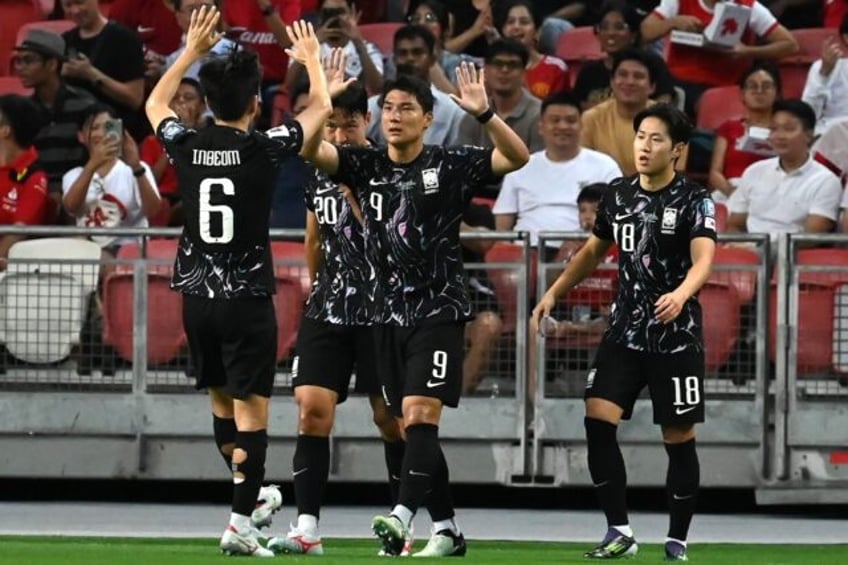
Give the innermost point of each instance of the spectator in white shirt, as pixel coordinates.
(826, 90)
(542, 195)
(789, 193)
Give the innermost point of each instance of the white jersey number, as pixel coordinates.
(689, 394)
(625, 236)
(327, 210)
(207, 209)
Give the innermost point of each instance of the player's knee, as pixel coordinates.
(387, 424)
(314, 418)
(674, 435)
(604, 410)
(485, 328)
(424, 411)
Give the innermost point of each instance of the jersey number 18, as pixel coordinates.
(625, 236)
(207, 209)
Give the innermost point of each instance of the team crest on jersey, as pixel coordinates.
(172, 130)
(669, 220)
(430, 177)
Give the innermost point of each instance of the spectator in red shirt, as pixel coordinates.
(760, 87)
(189, 103)
(545, 75)
(154, 22)
(23, 185)
(834, 11)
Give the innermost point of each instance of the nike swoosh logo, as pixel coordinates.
(142, 29)
(619, 217)
(680, 411)
(431, 384)
(417, 474)
(374, 182)
(296, 473)
(323, 190)
(675, 497)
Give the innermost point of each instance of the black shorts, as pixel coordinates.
(423, 360)
(326, 355)
(233, 343)
(675, 381)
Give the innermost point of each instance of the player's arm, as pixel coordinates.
(510, 151)
(778, 43)
(312, 246)
(306, 51)
(581, 266)
(669, 305)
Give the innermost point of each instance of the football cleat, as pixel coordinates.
(407, 545)
(675, 551)
(297, 542)
(391, 532)
(444, 543)
(614, 546)
(235, 543)
(270, 501)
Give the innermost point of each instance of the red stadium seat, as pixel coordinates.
(288, 307)
(162, 251)
(578, 46)
(483, 201)
(824, 257)
(163, 215)
(721, 321)
(13, 14)
(45, 7)
(290, 262)
(722, 214)
(505, 280)
(717, 105)
(794, 69)
(744, 281)
(381, 35)
(815, 327)
(13, 85)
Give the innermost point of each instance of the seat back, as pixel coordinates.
(815, 327)
(13, 15)
(160, 253)
(290, 262)
(381, 35)
(13, 85)
(745, 281)
(717, 105)
(722, 213)
(823, 257)
(721, 322)
(505, 280)
(576, 47)
(288, 307)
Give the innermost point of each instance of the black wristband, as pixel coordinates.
(486, 116)
(268, 10)
(139, 171)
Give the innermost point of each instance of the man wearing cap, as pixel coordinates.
(38, 62)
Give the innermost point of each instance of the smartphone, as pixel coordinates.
(115, 129)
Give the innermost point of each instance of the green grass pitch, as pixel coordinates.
(33, 550)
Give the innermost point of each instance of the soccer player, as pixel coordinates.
(335, 333)
(664, 226)
(224, 268)
(412, 197)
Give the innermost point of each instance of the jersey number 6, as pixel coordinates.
(207, 209)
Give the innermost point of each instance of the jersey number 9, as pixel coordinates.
(207, 209)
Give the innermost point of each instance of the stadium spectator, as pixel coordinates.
(154, 22)
(505, 67)
(23, 184)
(695, 68)
(826, 90)
(760, 88)
(106, 59)
(338, 27)
(545, 74)
(618, 29)
(608, 127)
(559, 16)
(189, 104)
(473, 27)
(834, 13)
(414, 54)
(433, 15)
(182, 13)
(287, 207)
(114, 188)
(791, 192)
(542, 195)
(38, 61)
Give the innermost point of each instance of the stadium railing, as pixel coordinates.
(94, 383)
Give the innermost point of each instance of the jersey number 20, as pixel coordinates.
(207, 209)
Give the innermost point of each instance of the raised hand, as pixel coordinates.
(334, 69)
(305, 44)
(203, 31)
(472, 90)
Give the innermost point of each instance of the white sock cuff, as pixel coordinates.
(625, 529)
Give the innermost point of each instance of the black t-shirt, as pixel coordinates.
(226, 179)
(412, 213)
(593, 81)
(653, 231)
(343, 292)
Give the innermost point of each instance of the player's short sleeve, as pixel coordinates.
(603, 220)
(312, 181)
(474, 164)
(173, 134)
(287, 138)
(702, 217)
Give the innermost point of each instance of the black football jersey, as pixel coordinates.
(226, 180)
(653, 231)
(343, 292)
(412, 213)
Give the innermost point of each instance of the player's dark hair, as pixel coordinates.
(502, 14)
(799, 109)
(561, 99)
(507, 47)
(88, 115)
(634, 54)
(414, 86)
(592, 193)
(438, 9)
(413, 32)
(767, 67)
(194, 84)
(676, 122)
(230, 82)
(631, 17)
(353, 100)
(23, 117)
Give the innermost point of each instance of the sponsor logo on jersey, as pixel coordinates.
(13, 194)
(590, 379)
(430, 177)
(710, 224)
(669, 220)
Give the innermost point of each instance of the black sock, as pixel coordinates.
(439, 500)
(606, 465)
(310, 470)
(394, 451)
(419, 464)
(681, 486)
(225, 435)
(251, 470)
